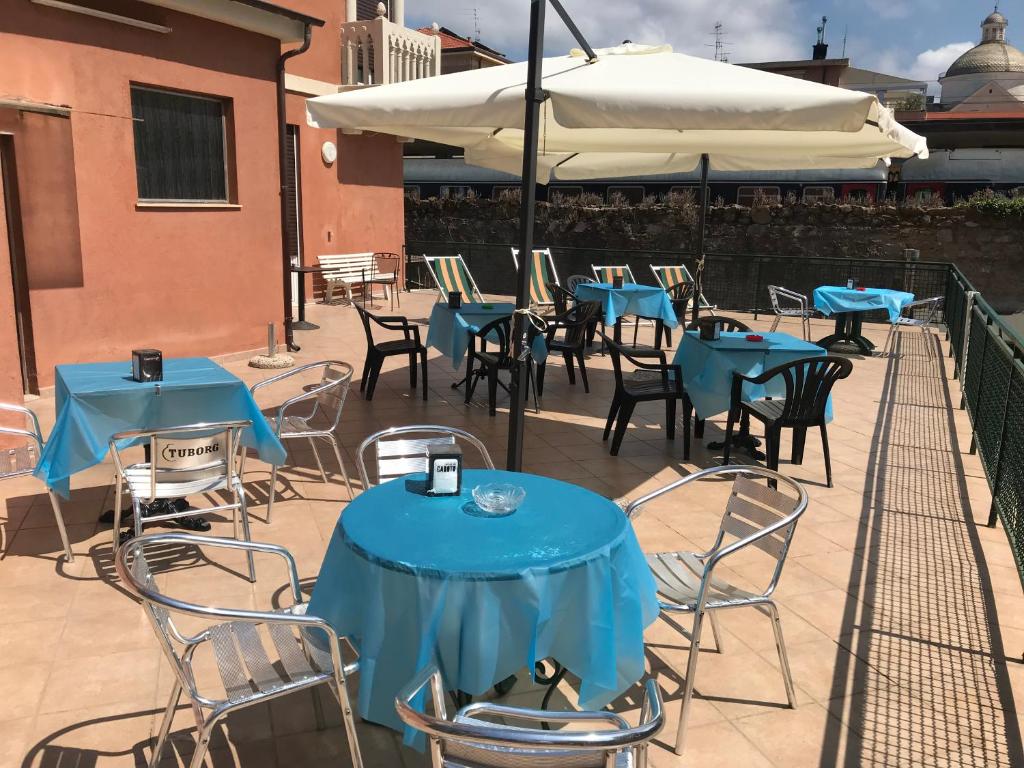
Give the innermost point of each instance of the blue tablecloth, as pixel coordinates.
(449, 328)
(708, 366)
(97, 400)
(831, 300)
(413, 580)
(630, 299)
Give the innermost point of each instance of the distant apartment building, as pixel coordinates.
(141, 205)
(459, 53)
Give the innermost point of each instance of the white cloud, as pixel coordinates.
(756, 30)
(931, 63)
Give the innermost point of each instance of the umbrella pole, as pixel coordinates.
(520, 325)
(701, 223)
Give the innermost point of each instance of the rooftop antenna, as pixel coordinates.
(821, 30)
(846, 31)
(476, 22)
(821, 47)
(719, 45)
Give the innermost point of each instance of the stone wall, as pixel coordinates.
(989, 250)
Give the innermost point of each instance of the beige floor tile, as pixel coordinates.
(78, 683)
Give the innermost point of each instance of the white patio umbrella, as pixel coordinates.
(635, 110)
(630, 110)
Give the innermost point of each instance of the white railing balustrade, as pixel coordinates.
(378, 52)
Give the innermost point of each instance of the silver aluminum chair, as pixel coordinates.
(185, 460)
(304, 651)
(22, 460)
(466, 741)
(398, 457)
(756, 515)
(917, 314)
(783, 301)
(328, 400)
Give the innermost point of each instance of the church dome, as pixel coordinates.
(988, 57)
(993, 54)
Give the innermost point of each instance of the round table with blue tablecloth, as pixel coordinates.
(413, 580)
(849, 305)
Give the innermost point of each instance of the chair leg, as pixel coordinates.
(889, 347)
(341, 464)
(316, 455)
(366, 371)
(716, 631)
(698, 427)
(492, 389)
(165, 725)
(612, 413)
(271, 491)
(542, 368)
(119, 486)
(412, 371)
(340, 690)
(202, 744)
(625, 413)
(780, 645)
(423, 364)
(773, 437)
(691, 674)
(570, 372)
(687, 413)
(775, 324)
(799, 440)
(727, 446)
(670, 418)
(243, 513)
(828, 458)
(371, 385)
(583, 370)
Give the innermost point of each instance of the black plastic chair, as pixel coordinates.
(482, 363)
(573, 322)
(680, 295)
(809, 383)
(668, 386)
(563, 300)
(729, 324)
(377, 352)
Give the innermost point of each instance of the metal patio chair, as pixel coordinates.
(22, 460)
(780, 297)
(328, 400)
(756, 516)
(450, 273)
(468, 741)
(303, 651)
(917, 314)
(543, 272)
(183, 461)
(401, 451)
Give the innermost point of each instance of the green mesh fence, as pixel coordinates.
(991, 368)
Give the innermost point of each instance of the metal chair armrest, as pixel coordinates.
(309, 394)
(11, 407)
(543, 715)
(22, 433)
(285, 375)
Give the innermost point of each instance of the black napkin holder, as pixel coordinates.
(444, 470)
(454, 299)
(617, 281)
(711, 331)
(147, 365)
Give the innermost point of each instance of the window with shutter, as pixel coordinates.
(180, 146)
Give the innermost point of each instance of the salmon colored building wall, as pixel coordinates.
(107, 274)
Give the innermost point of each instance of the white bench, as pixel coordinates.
(346, 270)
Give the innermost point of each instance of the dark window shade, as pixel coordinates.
(179, 146)
(292, 222)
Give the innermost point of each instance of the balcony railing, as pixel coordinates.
(988, 354)
(378, 52)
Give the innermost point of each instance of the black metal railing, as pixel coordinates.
(988, 355)
(989, 359)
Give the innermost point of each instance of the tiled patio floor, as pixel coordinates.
(904, 616)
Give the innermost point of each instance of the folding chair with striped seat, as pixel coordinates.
(669, 275)
(608, 274)
(450, 273)
(544, 272)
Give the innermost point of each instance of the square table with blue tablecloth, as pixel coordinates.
(645, 301)
(97, 400)
(708, 367)
(450, 328)
(414, 580)
(849, 305)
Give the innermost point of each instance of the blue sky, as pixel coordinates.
(912, 38)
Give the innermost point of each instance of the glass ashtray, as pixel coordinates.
(498, 499)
